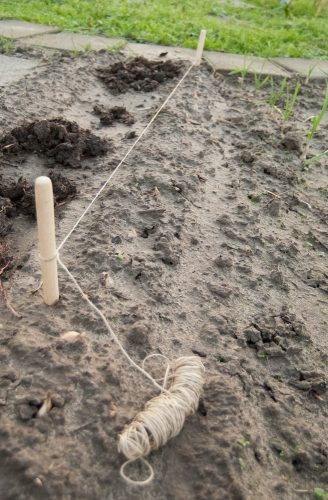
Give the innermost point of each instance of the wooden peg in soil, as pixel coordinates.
(45, 214)
(200, 48)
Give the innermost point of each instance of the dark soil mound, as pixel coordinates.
(138, 74)
(63, 140)
(18, 197)
(108, 116)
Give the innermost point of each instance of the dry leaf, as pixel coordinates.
(113, 411)
(156, 193)
(72, 336)
(46, 406)
(106, 280)
(201, 178)
(132, 233)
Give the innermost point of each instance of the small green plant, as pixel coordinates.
(253, 484)
(243, 442)
(117, 47)
(290, 102)
(314, 159)
(5, 44)
(78, 52)
(318, 118)
(243, 464)
(311, 69)
(254, 198)
(242, 72)
(120, 256)
(276, 93)
(260, 82)
(320, 494)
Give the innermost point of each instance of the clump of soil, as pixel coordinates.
(5, 224)
(138, 74)
(64, 189)
(61, 139)
(108, 116)
(19, 196)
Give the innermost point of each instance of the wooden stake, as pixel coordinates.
(45, 214)
(200, 48)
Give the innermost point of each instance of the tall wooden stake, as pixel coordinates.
(45, 214)
(200, 48)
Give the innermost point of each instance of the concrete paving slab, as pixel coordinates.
(15, 68)
(153, 51)
(230, 62)
(20, 29)
(311, 68)
(73, 41)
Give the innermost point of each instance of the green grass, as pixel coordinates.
(319, 117)
(290, 101)
(5, 45)
(263, 29)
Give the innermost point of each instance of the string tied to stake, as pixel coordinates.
(48, 259)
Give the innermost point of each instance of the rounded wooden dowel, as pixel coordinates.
(200, 48)
(45, 215)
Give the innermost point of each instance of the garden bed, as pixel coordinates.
(211, 240)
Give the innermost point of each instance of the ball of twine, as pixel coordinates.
(164, 415)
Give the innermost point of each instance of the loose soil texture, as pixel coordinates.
(211, 240)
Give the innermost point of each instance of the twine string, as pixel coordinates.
(118, 166)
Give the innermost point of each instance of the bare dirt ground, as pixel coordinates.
(211, 240)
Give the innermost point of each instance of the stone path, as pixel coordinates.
(30, 34)
(14, 68)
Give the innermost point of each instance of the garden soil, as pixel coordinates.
(210, 240)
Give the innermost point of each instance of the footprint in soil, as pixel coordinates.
(63, 140)
(167, 249)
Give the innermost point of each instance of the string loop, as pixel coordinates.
(137, 482)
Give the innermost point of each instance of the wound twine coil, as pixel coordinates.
(164, 415)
